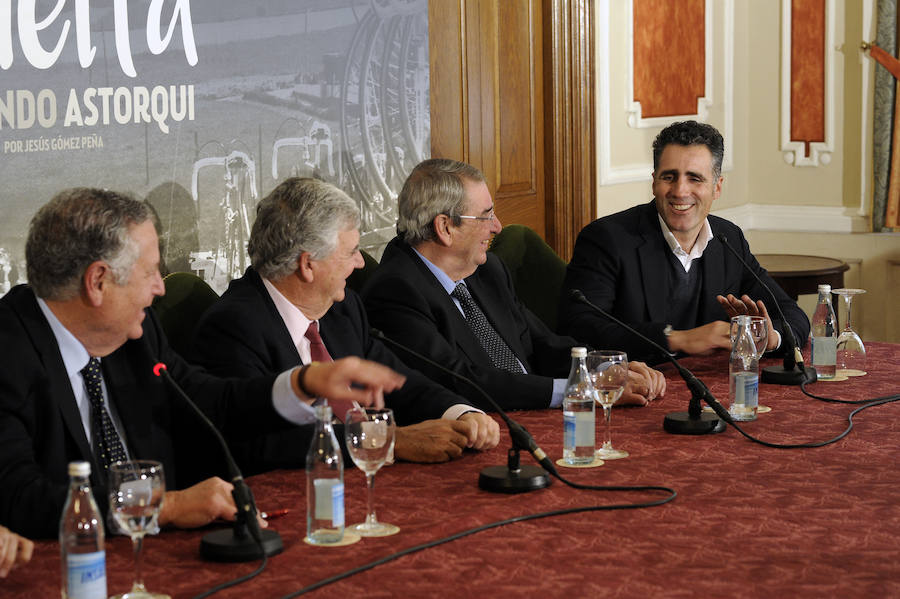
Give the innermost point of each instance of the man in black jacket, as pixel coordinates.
(304, 244)
(79, 347)
(440, 291)
(662, 267)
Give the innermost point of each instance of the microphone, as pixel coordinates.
(694, 421)
(230, 545)
(788, 373)
(512, 478)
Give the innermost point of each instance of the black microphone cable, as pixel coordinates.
(237, 479)
(521, 439)
(698, 389)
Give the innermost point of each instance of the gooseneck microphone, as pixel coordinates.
(793, 371)
(694, 421)
(234, 545)
(514, 477)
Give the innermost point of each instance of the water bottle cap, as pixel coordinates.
(323, 411)
(824, 288)
(79, 468)
(579, 352)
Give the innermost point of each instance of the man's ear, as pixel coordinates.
(443, 229)
(97, 277)
(304, 268)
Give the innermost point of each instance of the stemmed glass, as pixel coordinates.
(851, 353)
(370, 439)
(136, 490)
(759, 328)
(609, 372)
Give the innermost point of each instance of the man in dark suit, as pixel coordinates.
(304, 244)
(662, 267)
(79, 346)
(437, 276)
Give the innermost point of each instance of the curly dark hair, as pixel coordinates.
(690, 133)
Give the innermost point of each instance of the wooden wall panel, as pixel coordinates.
(505, 74)
(669, 56)
(808, 71)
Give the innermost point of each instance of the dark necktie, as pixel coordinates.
(500, 353)
(108, 447)
(319, 353)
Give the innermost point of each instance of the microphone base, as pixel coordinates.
(500, 479)
(777, 375)
(681, 423)
(227, 546)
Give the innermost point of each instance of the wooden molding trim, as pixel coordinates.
(569, 138)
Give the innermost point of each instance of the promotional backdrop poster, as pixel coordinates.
(201, 107)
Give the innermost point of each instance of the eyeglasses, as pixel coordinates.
(490, 216)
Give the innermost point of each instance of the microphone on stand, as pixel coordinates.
(234, 545)
(512, 478)
(788, 373)
(694, 421)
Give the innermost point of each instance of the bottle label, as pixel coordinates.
(330, 500)
(578, 429)
(824, 351)
(746, 389)
(86, 575)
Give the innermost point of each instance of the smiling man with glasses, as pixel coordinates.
(439, 291)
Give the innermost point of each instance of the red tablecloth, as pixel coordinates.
(749, 521)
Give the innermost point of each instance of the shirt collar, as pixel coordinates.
(74, 355)
(443, 278)
(294, 318)
(684, 257)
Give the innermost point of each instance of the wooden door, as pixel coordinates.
(512, 93)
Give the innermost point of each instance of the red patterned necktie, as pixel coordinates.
(319, 353)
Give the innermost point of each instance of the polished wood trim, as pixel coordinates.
(569, 132)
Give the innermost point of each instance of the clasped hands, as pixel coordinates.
(717, 334)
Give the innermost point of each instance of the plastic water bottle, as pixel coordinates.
(578, 412)
(743, 373)
(324, 483)
(81, 539)
(824, 335)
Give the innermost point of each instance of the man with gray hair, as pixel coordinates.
(292, 307)
(441, 292)
(79, 349)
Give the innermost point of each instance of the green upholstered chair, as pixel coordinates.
(187, 298)
(536, 270)
(357, 279)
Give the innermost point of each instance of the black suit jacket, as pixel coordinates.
(620, 263)
(243, 334)
(41, 429)
(406, 301)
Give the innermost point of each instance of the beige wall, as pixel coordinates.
(783, 208)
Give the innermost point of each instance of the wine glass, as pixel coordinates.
(851, 353)
(136, 490)
(370, 439)
(759, 329)
(609, 372)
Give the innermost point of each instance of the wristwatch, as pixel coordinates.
(667, 331)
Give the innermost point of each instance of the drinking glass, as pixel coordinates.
(851, 353)
(370, 439)
(136, 490)
(609, 372)
(759, 328)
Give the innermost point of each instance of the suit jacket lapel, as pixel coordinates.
(282, 336)
(713, 279)
(57, 379)
(653, 270)
(462, 332)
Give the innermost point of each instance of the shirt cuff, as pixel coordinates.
(559, 391)
(287, 404)
(457, 410)
(778, 336)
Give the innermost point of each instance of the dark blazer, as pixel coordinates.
(41, 430)
(243, 334)
(406, 301)
(620, 263)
